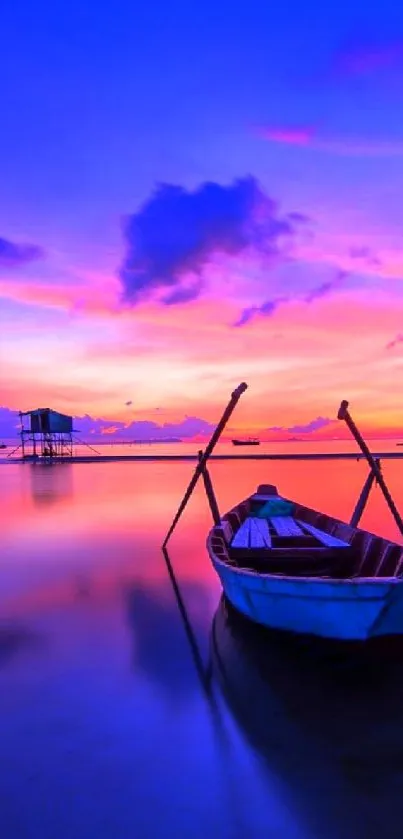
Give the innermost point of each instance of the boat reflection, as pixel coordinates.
(327, 726)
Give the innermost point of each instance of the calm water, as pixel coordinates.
(81, 447)
(105, 730)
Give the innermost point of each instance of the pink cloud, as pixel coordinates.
(70, 298)
(291, 135)
(307, 428)
(312, 138)
(138, 429)
(346, 252)
(397, 340)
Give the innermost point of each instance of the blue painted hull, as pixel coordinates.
(354, 610)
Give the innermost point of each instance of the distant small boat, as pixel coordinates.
(305, 572)
(3, 446)
(247, 441)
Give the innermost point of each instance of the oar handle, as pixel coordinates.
(343, 410)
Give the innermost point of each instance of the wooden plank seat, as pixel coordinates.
(324, 538)
(259, 533)
(241, 537)
(289, 550)
(286, 526)
(253, 534)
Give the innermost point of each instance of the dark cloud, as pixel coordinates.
(12, 255)
(172, 237)
(181, 294)
(266, 310)
(300, 218)
(397, 340)
(270, 306)
(325, 288)
(313, 425)
(319, 291)
(366, 255)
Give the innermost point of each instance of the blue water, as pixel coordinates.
(106, 729)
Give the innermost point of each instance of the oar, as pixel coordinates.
(344, 414)
(235, 397)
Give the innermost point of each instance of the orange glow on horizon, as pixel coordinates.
(299, 362)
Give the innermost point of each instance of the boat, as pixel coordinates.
(307, 572)
(248, 441)
(291, 568)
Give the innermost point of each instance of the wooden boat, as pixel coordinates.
(308, 572)
(303, 571)
(249, 441)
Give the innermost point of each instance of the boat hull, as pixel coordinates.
(349, 610)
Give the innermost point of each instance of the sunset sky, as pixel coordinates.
(199, 193)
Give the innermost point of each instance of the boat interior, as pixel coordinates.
(304, 543)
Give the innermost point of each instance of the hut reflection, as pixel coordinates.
(50, 483)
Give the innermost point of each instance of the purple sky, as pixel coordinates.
(190, 189)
